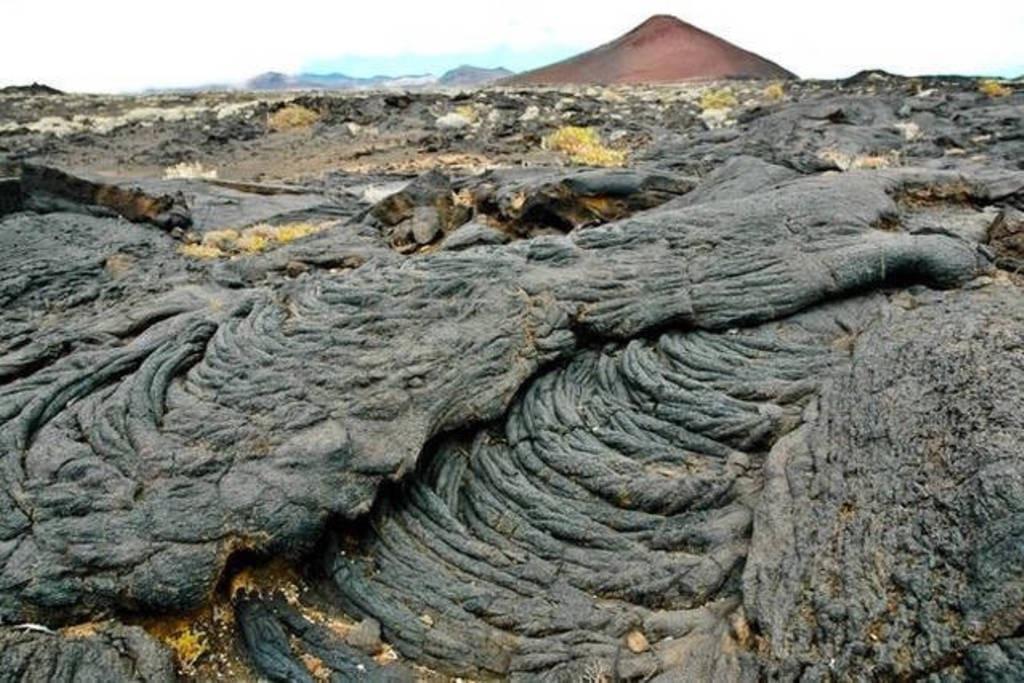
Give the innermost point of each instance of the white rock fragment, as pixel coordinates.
(452, 121)
(532, 113)
(911, 131)
(716, 118)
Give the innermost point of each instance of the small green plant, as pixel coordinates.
(583, 146)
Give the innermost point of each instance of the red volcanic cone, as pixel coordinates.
(663, 49)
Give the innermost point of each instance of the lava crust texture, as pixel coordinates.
(759, 418)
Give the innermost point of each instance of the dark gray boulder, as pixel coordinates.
(474, 235)
(904, 487)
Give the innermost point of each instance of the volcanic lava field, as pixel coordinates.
(717, 381)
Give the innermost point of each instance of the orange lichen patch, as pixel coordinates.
(251, 240)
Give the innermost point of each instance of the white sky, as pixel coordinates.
(119, 45)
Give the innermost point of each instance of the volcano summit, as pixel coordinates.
(663, 49)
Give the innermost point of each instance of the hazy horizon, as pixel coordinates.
(206, 44)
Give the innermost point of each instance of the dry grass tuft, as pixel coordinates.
(292, 117)
(251, 240)
(251, 243)
(189, 169)
(583, 146)
(200, 251)
(722, 98)
(283, 234)
(774, 92)
(994, 88)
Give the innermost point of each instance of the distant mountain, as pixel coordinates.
(33, 89)
(273, 80)
(663, 49)
(466, 75)
(463, 76)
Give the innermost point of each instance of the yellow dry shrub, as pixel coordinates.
(283, 234)
(774, 92)
(188, 645)
(721, 98)
(583, 146)
(251, 243)
(200, 251)
(291, 117)
(468, 112)
(251, 240)
(994, 88)
(221, 239)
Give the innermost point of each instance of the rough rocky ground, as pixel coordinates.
(404, 395)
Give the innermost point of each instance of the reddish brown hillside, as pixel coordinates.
(663, 49)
